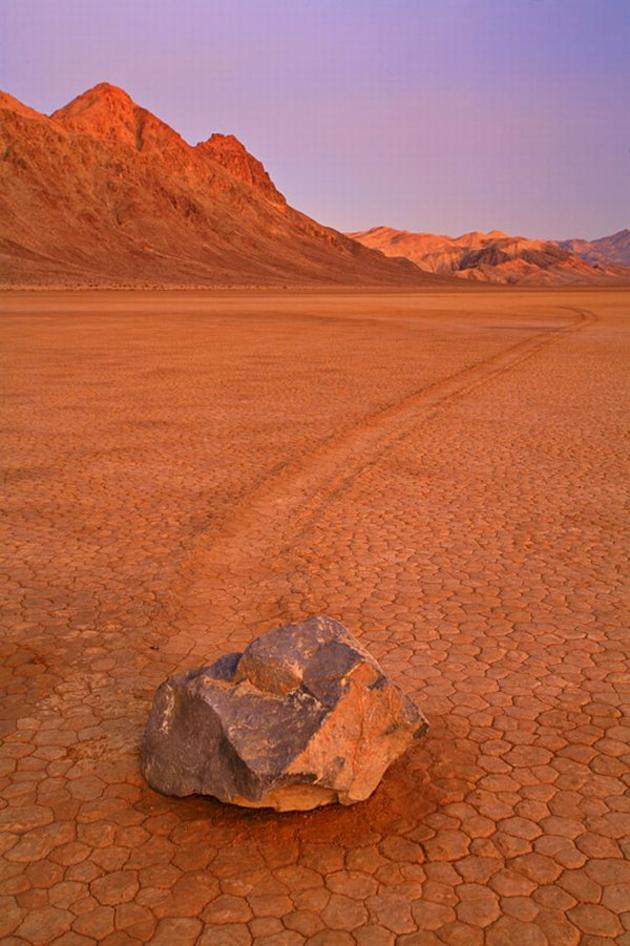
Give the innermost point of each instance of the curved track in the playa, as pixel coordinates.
(270, 521)
(446, 476)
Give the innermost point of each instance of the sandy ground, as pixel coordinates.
(445, 473)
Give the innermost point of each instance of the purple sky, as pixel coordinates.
(439, 115)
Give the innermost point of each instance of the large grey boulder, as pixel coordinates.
(303, 717)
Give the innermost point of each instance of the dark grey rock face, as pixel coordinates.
(303, 717)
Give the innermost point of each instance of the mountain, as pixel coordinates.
(492, 257)
(609, 250)
(102, 192)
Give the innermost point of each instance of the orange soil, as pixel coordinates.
(443, 472)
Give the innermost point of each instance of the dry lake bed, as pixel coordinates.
(443, 472)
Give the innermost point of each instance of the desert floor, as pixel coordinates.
(445, 473)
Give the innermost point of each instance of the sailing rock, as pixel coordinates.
(303, 717)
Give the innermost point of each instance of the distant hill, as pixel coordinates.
(102, 192)
(609, 250)
(497, 257)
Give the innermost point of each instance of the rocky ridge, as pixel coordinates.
(497, 257)
(103, 192)
(613, 249)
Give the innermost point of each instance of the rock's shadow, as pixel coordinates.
(415, 787)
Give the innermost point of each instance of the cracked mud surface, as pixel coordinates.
(443, 473)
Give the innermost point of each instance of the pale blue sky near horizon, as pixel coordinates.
(434, 115)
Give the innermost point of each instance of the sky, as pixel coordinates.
(433, 115)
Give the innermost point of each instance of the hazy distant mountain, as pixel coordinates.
(104, 192)
(608, 250)
(492, 257)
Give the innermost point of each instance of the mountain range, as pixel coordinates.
(103, 193)
(609, 250)
(497, 257)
